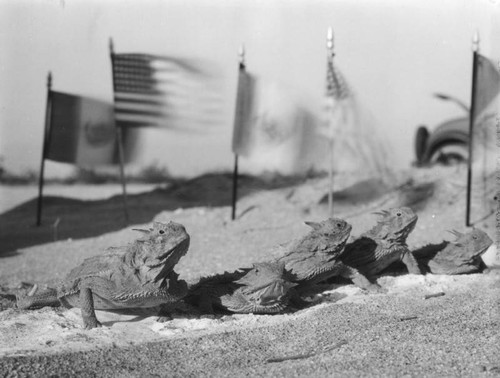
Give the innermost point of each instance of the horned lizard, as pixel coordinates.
(264, 288)
(384, 244)
(317, 255)
(461, 256)
(138, 275)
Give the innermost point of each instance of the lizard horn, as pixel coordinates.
(33, 290)
(314, 225)
(140, 230)
(455, 233)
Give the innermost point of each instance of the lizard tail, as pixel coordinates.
(33, 301)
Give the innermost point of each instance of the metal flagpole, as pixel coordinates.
(46, 136)
(242, 68)
(119, 139)
(475, 49)
(235, 187)
(331, 54)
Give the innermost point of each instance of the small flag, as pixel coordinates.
(337, 99)
(243, 133)
(81, 130)
(487, 84)
(151, 90)
(269, 121)
(336, 85)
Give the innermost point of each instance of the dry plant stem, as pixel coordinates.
(307, 355)
(408, 318)
(440, 294)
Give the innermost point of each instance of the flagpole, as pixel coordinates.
(235, 187)
(119, 140)
(48, 112)
(330, 55)
(241, 68)
(475, 48)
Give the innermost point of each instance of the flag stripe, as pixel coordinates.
(138, 118)
(139, 112)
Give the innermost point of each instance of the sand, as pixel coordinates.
(347, 333)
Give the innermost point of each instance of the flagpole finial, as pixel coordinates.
(111, 46)
(241, 54)
(329, 39)
(475, 41)
(49, 80)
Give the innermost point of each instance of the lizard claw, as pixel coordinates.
(90, 324)
(164, 318)
(376, 289)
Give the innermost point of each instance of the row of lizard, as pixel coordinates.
(141, 274)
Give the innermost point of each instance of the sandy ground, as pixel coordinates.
(348, 333)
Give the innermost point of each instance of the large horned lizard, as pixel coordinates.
(384, 244)
(461, 256)
(139, 275)
(317, 255)
(262, 289)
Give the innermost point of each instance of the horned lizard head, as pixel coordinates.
(266, 285)
(395, 224)
(471, 245)
(332, 233)
(162, 246)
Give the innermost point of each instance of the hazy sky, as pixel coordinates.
(395, 54)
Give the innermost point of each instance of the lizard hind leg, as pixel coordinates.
(87, 307)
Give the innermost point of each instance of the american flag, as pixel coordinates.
(338, 98)
(336, 85)
(151, 90)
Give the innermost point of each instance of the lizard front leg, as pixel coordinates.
(411, 263)
(87, 307)
(360, 280)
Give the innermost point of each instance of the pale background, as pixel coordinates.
(394, 53)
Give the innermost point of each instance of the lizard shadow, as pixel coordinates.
(139, 315)
(323, 292)
(426, 254)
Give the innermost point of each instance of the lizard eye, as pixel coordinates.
(339, 225)
(474, 237)
(161, 232)
(398, 213)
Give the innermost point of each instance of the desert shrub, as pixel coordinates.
(91, 176)
(154, 173)
(10, 178)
